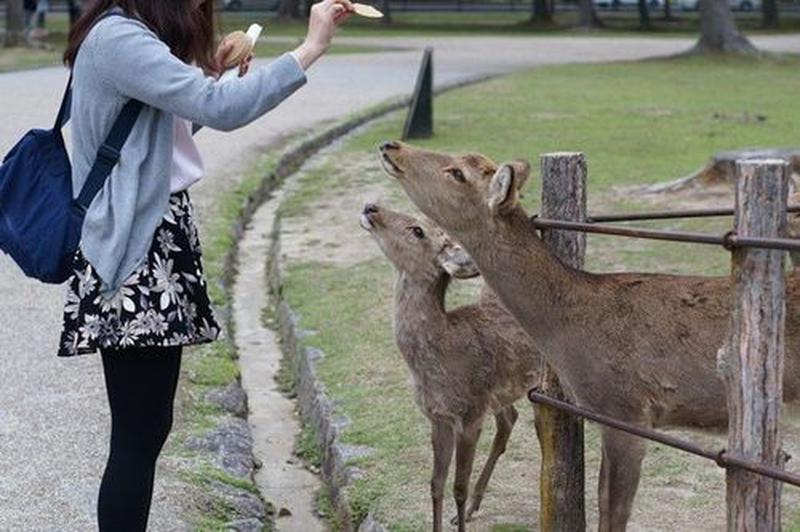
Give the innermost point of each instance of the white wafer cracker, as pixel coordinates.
(366, 10)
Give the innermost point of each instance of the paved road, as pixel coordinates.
(53, 415)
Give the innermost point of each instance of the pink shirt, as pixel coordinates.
(187, 165)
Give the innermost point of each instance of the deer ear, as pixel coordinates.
(506, 184)
(457, 262)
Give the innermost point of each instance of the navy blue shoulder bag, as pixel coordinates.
(40, 222)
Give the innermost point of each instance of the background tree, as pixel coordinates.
(15, 24)
(667, 9)
(387, 12)
(644, 15)
(542, 11)
(718, 31)
(289, 9)
(75, 10)
(769, 9)
(587, 16)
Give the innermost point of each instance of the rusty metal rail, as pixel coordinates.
(721, 458)
(669, 215)
(729, 240)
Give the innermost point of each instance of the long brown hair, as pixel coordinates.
(189, 32)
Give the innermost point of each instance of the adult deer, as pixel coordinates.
(639, 347)
(466, 362)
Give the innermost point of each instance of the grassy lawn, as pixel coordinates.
(638, 123)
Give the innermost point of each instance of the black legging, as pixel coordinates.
(141, 388)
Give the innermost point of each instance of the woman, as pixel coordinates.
(138, 293)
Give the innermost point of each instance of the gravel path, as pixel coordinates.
(53, 415)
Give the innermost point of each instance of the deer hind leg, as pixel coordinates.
(620, 468)
(505, 420)
(443, 441)
(465, 456)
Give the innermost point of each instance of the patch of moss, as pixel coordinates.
(326, 509)
(214, 365)
(306, 447)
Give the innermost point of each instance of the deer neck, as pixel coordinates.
(420, 301)
(529, 279)
(419, 314)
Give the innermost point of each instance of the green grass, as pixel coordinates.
(638, 123)
(511, 528)
(794, 523)
(306, 447)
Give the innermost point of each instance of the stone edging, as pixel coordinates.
(315, 407)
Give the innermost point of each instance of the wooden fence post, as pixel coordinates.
(561, 487)
(752, 360)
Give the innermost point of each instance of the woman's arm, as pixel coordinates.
(129, 57)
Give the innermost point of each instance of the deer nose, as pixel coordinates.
(389, 146)
(370, 208)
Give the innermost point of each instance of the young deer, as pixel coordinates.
(465, 362)
(638, 347)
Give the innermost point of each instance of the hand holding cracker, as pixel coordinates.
(236, 49)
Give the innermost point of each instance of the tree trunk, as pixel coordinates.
(667, 10)
(289, 9)
(387, 12)
(15, 24)
(644, 15)
(542, 11)
(718, 31)
(75, 10)
(587, 16)
(769, 8)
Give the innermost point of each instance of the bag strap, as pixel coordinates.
(109, 153)
(66, 103)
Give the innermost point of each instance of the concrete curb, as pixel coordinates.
(315, 407)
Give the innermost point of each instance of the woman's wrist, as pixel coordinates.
(307, 53)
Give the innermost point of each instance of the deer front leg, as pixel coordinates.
(465, 456)
(620, 468)
(505, 420)
(442, 441)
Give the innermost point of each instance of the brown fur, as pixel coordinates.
(793, 228)
(639, 347)
(466, 362)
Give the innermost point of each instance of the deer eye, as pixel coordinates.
(418, 232)
(457, 174)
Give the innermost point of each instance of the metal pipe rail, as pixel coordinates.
(729, 240)
(721, 458)
(669, 215)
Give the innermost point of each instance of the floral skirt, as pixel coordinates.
(164, 302)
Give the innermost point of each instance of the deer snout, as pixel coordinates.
(390, 146)
(367, 220)
(389, 152)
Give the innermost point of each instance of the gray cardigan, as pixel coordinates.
(122, 59)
